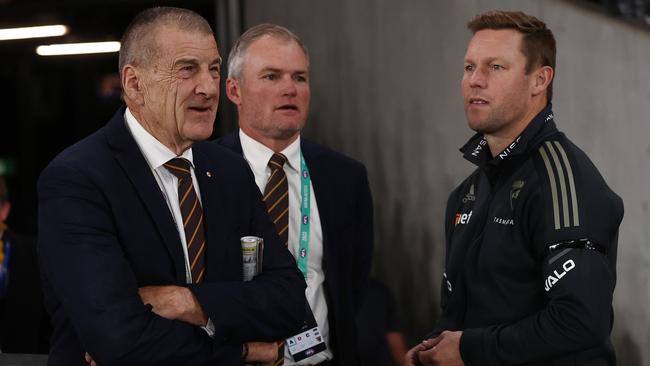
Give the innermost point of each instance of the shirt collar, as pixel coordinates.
(155, 152)
(477, 151)
(258, 154)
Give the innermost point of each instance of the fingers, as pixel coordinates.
(427, 357)
(430, 343)
(89, 359)
(263, 352)
(411, 358)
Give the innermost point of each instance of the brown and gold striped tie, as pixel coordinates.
(276, 196)
(192, 216)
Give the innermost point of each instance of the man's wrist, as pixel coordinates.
(193, 312)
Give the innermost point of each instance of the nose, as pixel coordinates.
(289, 87)
(207, 85)
(478, 79)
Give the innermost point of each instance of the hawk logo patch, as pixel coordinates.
(514, 192)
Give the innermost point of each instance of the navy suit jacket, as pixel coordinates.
(105, 230)
(345, 208)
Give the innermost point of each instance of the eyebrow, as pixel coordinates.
(488, 60)
(194, 61)
(276, 70)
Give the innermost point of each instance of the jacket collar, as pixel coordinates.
(477, 151)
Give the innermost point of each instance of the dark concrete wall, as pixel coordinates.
(385, 86)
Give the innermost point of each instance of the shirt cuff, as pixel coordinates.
(209, 328)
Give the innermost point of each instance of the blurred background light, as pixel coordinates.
(78, 48)
(33, 32)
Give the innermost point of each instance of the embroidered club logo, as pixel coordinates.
(514, 191)
(470, 197)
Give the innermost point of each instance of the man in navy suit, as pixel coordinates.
(113, 232)
(268, 81)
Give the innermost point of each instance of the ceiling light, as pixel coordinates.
(77, 48)
(33, 32)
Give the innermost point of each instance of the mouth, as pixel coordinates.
(288, 107)
(478, 101)
(200, 109)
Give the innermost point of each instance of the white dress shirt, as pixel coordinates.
(156, 154)
(257, 155)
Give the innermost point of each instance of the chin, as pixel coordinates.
(475, 124)
(200, 133)
(288, 127)
(477, 121)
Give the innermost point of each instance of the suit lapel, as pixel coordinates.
(232, 142)
(130, 158)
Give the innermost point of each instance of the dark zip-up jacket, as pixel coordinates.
(531, 254)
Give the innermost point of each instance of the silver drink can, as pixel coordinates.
(252, 248)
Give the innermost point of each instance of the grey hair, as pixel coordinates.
(139, 44)
(238, 51)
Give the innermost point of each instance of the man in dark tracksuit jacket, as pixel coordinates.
(531, 234)
(531, 254)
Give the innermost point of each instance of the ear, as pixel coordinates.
(4, 211)
(233, 91)
(542, 79)
(132, 84)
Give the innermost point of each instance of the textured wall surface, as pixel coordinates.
(385, 86)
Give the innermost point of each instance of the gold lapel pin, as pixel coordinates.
(208, 174)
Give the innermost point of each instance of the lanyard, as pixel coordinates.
(305, 221)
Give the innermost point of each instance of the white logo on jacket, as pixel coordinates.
(551, 280)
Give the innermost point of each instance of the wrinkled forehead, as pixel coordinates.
(173, 42)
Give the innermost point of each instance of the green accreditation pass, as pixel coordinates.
(305, 218)
(309, 341)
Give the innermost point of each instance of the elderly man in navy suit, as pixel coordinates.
(318, 199)
(140, 227)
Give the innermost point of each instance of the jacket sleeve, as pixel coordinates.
(577, 315)
(267, 308)
(365, 237)
(572, 223)
(86, 269)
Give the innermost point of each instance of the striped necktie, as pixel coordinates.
(192, 216)
(276, 196)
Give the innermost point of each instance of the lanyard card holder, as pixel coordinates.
(309, 341)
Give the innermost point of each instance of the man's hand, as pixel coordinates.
(262, 353)
(411, 358)
(444, 350)
(174, 302)
(89, 359)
